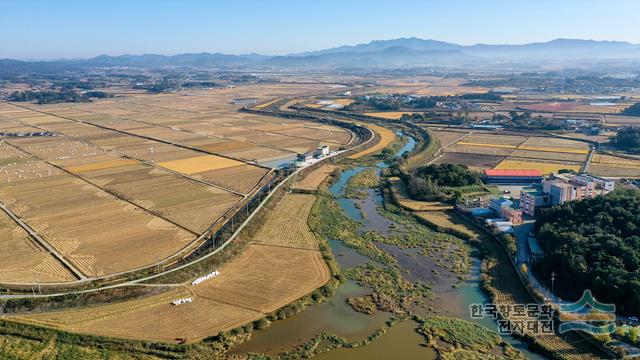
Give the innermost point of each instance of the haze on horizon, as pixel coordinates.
(40, 29)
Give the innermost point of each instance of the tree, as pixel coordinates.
(628, 138)
(633, 110)
(594, 244)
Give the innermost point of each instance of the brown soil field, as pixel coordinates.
(386, 137)
(286, 224)
(313, 179)
(473, 161)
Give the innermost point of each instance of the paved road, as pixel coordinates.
(522, 232)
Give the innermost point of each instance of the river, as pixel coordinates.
(335, 316)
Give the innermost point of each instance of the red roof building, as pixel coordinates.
(507, 172)
(506, 176)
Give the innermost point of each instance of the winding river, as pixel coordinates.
(335, 316)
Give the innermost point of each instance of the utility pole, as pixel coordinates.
(553, 279)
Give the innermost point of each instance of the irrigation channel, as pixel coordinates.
(335, 316)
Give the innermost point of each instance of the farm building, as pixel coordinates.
(503, 176)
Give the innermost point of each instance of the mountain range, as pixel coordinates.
(396, 53)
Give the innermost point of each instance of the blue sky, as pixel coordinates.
(72, 28)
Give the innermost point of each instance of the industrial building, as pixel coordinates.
(512, 177)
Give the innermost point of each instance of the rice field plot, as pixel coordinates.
(386, 138)
(473, 161)
(546, 167)
(552, 106)
(241, 178)
(481, 149)
(336, 137)
(447, 137)
(612, 166)
(495, 139)
(547, 155)
(97, 232)
(259, 281)
(264, 278)
(192, 205)
(551, 144)
(22, 260)
(390, 115)
(621, 120)
(312, 180)
(286, 225)
(199, 164)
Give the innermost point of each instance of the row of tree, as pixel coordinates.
(56, 96)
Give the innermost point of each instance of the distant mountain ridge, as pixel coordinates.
(554, 49)
(395, 53)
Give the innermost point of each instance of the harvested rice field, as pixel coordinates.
(198, 164)
(612, 166)
(277, 267)
(286, 224)
(546, 167)
(486, 150)
(390, 115)
(448, 137)
(130, 181)
(23, 260)
(386, 138)
(473, 161)
(312, 180)
(259, 281)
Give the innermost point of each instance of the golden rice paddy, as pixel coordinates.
(199, 164)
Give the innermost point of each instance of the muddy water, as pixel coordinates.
(334, 316)
(400, 342)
